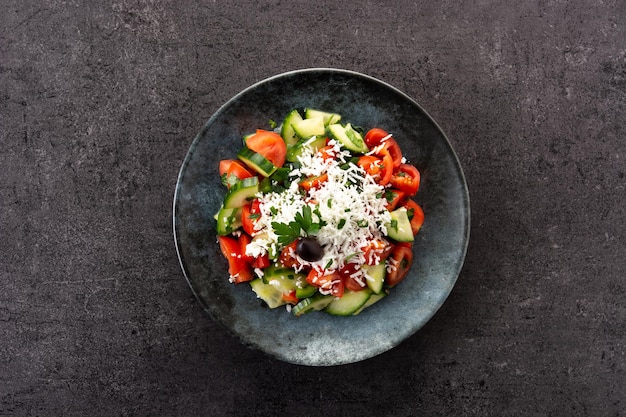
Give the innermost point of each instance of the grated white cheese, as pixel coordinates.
(349, 202)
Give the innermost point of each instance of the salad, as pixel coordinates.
(319, 215)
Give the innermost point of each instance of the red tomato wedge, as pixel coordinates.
(394, 198)
(327, 152)
(261, 262)
(353, 277)
(328, 283)
(288, 256)
(290, 297)
(313, 182)
(416, 215)
(406, 178)
(231, 168)
(398, 264)
(376, 251)
(391, 146)
(244, 240)
(374, 136)
(269, 144)
(250, 213)
(379, 167)
(238, 268)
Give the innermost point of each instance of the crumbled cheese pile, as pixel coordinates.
(349, 203)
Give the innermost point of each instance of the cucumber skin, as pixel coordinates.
(308, 128)
(349, 303)
(402, 232)
(329, 118)
(223, 226)
(315, 303)
(241, 192)
(339, 133)
(286, 131)
(257, 162)
(377, 272)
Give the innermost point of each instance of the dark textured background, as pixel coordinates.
(99, 102)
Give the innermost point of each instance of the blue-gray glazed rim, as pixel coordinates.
(319, 339)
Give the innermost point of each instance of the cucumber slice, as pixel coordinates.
(228, 220)
(348, 137)
(241, 192)
(377, 273)
(306, 291)
(286, 131)
(400, 227)
(314, 142)
(329, 118)
(284, 279)
(272, 296)
(314, 303)
(307, 128)
(349, 303)
(257, 162)
(372, 300)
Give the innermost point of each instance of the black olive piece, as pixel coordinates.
(309, 249)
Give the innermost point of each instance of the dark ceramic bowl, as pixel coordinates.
(318, 338)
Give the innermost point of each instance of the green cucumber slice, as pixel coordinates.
(257, 162)
(399, 229)
(377, 273)
(286, 131)
(314, 303)
(314, 142)
(348, 137)
(329, 118)
(306, 291)
(349, 303)
(372, 300)
(272, 296)
(284, 279)
(228, 220)
(307, 128)
(240, 193)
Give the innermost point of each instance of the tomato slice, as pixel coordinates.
(250, 213)
(406, 178)
(391, 146)
(313, 182)
(288, 256)
(353, 277)
(393, 198)
(328, 283)
(290, 297)
(238, 268)
(388, 171)
(398, 264)
(370, 164)
(269, 144)
(374, 136)
(376, 251)
(327, 152)
(379, 167)
(416, 215)
(261, 262)
(244, 240)
(232, 171)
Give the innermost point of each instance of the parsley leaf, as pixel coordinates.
(303, 221)
(287, 233)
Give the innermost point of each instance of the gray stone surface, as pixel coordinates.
(99, 102)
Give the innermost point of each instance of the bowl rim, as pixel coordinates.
(189, 153)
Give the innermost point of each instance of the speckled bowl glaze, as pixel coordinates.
(319, 339)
